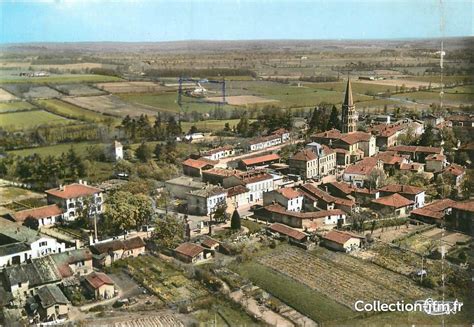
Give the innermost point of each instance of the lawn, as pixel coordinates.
(11, 193)
(167, 102)
(22, 120)
(56, 150)
(433, 96)
(71, 111)
(15, 106)
(59, 79)
(357, 87)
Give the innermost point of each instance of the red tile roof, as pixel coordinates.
(362, 167)
(304, 155)
(72, 191)
(288, 231)
(263, 139)
(402, 189)
(221, 172)
(411, 166)
(128, 244)
(332, 134)
(465, 205)
(390, 157)
(196, 163)
(339, 237)
(454, 169)
(355, 137)
(189, 249)
(394, 201)
(387, 130)
(98, 279)
(236, 190)
(261, 159)
(209, 242)
(38, 213)
(289, 193)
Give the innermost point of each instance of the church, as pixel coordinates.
(350, 145)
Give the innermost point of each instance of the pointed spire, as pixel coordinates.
(348, 98)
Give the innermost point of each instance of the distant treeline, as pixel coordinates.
(318, 79)
(200, 72)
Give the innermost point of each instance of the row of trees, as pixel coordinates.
(324, 117)
(141, 128)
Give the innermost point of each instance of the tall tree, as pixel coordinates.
(144, 152)
(334, 121)
(235, 221)
(169, 232)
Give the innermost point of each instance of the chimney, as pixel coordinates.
(61, 187)
(80, 181)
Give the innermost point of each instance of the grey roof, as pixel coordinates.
(50, 295)
(13, 248)
(39, 272)
(17, 232)
(186, 181)
(208, 191)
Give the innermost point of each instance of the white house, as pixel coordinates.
(257, 182)
(70, 198)
(206, 200)
(19, 244)
(116, 151)
(413, 193)
(39, 217)
(288, 197)
(219, 153)
(342, 241)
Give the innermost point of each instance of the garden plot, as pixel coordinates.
(41, 92)
(341, 277)
(133, 87)
(431, 240)
(110, 105)
(168, 284)
(78, 89)
(6, 96)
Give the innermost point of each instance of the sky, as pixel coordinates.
(167, 20)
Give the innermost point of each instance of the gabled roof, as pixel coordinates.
(98, 279)
(454, 169)
(196, 163)
(128, 244)
(189, 249)
(261, 159)
(254, 177)
(236, 190)
(355, 137)
(465, 205)
(436, 157)
(304, 155)
(50, 295)
(326, 197)
(362, 167)
(217, 150)
(72, 191)
(331, 134)
(394, 201)
(411, 166)
(289, 193)
(402, 189)
(288, 231)
(339, 237)
(38, 213)
(209, 242)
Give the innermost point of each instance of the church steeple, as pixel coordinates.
(349, 114)
(348, 99)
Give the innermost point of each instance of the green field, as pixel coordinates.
(59, 79)
(29, 119)
(15, 106)
(357, 87)
(436, 78)
(56, 150)
(433, 96)
(167, 102)
(71, 111)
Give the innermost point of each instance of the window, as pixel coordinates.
(44, 243)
